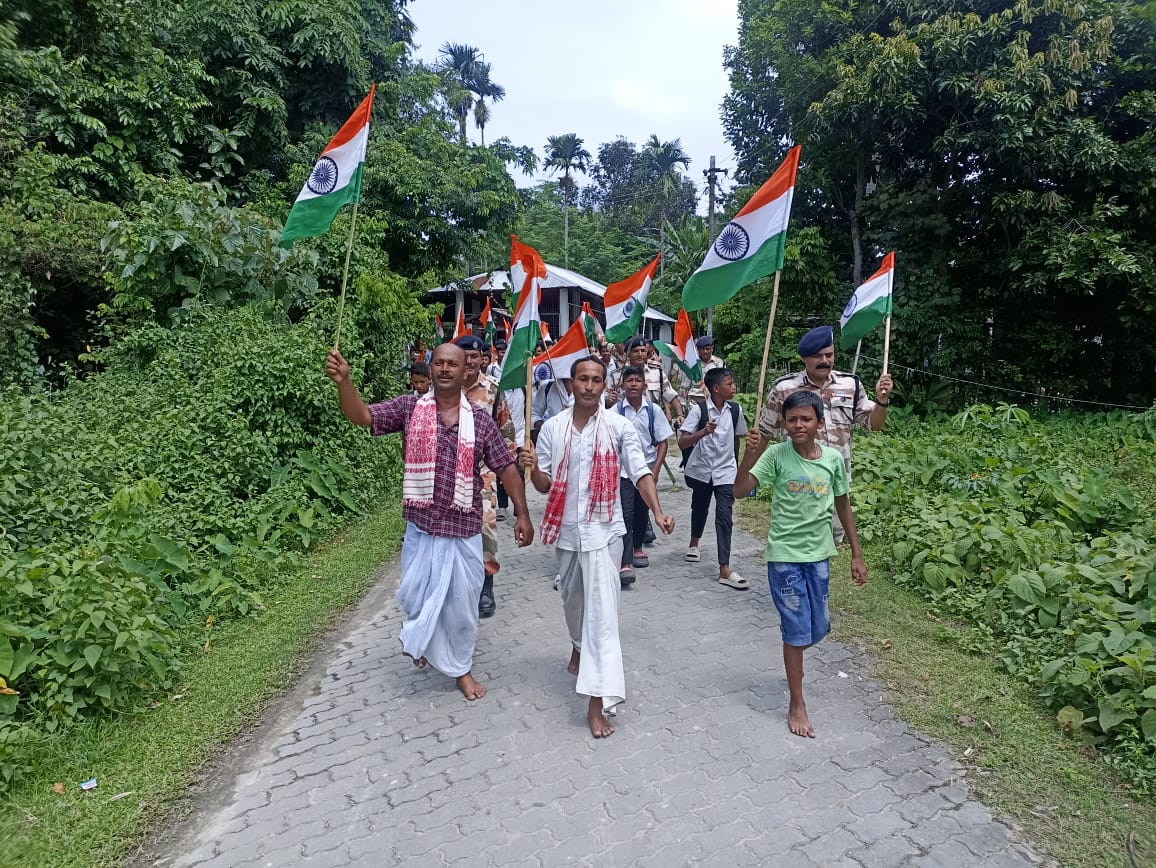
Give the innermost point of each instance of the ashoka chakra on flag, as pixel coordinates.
(733, 242)
(323, 179)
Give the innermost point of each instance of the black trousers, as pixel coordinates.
(503, 497)
(724, 501)
(635, 515)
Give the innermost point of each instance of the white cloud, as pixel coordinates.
(637, 97)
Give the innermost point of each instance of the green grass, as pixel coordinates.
(155, 755)
(1065, 799)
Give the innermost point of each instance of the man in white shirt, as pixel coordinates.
(653, 432)
(712, 466)
(578, 458)
(707, 361)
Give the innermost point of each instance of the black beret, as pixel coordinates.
(816, 340)
(500, 344)
(704, 341)
(637, 341)
(470, 342)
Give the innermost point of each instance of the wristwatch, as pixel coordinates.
(883, 403)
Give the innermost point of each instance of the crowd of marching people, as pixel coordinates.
(596, 440)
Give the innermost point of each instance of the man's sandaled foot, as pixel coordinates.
(734, 580)
(798, 722)
(575, 659)
(599, 724)
(420, 662)
(470, 689)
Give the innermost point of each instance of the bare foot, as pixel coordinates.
(470, 689)
(599, 724)
(798, 721)
(420, 662)
(572, 666)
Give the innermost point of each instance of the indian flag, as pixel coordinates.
(625, 302)
(460, 327)
(750, 246)
(335, 179)
(570, 349)
(869, 305)
(528, 269)
(489, 328)
(591, 326)
(683, 352)
(439, 329)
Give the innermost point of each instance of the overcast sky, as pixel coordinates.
(599, 69)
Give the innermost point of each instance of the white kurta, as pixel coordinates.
(589, 552)
(441, 578)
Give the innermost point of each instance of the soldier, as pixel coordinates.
(708, 361)
(845, 401)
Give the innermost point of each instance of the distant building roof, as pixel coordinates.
(557, 277)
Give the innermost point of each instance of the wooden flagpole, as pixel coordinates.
(345, 274)
(886, 343)
(767, 341)
(529, 400)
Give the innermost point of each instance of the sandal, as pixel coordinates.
(734, 580)
(641, 560)
(692, 553)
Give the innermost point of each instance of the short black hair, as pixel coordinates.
(803, 398)
(594, 359)
(633, 371)
(419, 369)
(715, 376)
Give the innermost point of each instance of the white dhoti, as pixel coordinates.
(590, 592)
(441, 578)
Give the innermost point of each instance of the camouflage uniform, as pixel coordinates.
(845, 402)
(484, 393)
(697, 391)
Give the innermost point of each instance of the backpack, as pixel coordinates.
(703, 419)
(649, 417)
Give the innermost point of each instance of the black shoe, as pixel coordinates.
(486, 604)
(626, 577)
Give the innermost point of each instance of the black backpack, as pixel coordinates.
(703, 418)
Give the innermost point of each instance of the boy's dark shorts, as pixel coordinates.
(800, 594)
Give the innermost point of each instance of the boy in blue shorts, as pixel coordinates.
(808, 481)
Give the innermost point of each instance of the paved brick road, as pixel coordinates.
(375, 763)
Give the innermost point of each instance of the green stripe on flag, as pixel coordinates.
(311, 217)
(714, 286)
(863, 320)
(628, 328)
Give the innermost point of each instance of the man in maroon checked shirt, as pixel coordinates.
(447, 439)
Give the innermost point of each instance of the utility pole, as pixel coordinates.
(711, 181)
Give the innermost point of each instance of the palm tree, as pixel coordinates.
(663, 157)
(485, 89)
(564, 154)
(460, 66)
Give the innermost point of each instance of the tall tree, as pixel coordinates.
(664, 157)
(565, 154)
(461, 67)
(486, 89)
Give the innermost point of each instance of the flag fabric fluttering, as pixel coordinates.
(750, 246)
(460, 327)
(590, 325)
(509, 331)
(683, 351)
(489, 329)
(335, 179)
(571, 348)
(439, 329)
(869, 305)
(544, 331)
(527, 271)
(625, 302)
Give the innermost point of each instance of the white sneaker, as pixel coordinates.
(557, 581)
(502, 516)
(692, 553)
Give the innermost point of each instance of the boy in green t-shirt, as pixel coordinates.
(807, 480)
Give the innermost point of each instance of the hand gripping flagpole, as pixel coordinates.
(767, 340)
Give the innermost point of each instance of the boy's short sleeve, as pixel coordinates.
(690, 423)
(741, 428)
(839, 483)
(764, 469)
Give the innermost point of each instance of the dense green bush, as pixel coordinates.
(1041, 538)
(142, 506)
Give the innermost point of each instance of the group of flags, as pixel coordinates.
(750, 246)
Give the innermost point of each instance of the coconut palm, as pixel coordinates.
(663, 157)
(460, 67)
(486, 89)
(564, 154)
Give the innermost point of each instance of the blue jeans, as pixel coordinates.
(800, 594)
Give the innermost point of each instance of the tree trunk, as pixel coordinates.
(462, 126)
(566, 232)
(856, 210)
